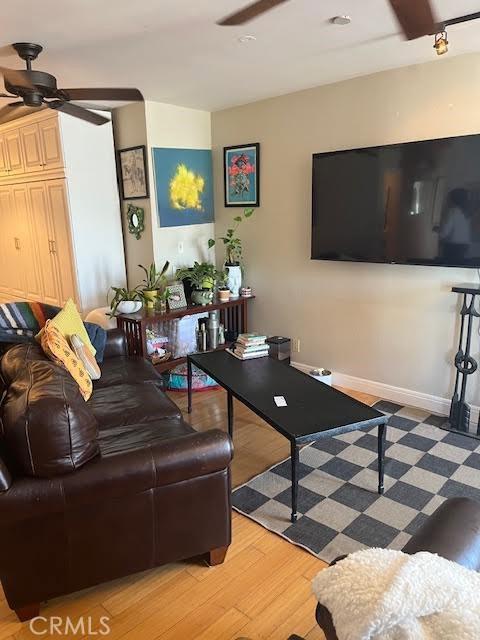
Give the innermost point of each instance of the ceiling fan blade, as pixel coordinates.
(104, 94)
(250, 12)
(17, 78)
(415, 17)
(8, 109)
(77, 112)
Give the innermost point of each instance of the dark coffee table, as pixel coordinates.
(314, 410)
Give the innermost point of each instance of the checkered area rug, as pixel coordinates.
(339, 509)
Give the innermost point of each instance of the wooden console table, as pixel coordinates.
(233, 316)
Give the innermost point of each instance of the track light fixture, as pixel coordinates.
(441, 43)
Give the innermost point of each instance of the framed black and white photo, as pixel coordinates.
(176, 296)
(133, 173)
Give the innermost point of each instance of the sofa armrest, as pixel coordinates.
(116, 344)
(453, 532)
(5, 477)
(125, 473)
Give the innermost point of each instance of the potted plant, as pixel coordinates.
(233, 250)
(153, 282)
(222, 288)
(202, 278)
(125, 300)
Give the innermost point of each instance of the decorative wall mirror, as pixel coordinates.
(135, 217)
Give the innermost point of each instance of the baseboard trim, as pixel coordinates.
(435, 404)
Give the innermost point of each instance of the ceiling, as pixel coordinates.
(173, 51)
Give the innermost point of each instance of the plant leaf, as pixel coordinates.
(248, 212)
(238, 218)
(211, 243)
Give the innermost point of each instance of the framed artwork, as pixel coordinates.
(177, 297)
(241, 170)
(133, 173)
(184, 186)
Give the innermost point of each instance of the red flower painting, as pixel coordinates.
(241, 175)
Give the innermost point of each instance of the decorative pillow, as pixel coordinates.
(84, 355)
(57, 349)
(68, 321)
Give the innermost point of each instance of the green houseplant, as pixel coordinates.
(125, 300)
(202, 277)
(153, 283)
(233, 252)
(222, 286)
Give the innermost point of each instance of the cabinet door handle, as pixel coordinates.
(54, 246)
(17, 243)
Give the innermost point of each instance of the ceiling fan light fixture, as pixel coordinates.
(441, 43)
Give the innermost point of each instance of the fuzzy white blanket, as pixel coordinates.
(381, 594)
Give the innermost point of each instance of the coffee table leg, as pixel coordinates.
(382, 430)
(230, 413)
(189, 384)
(295, 459)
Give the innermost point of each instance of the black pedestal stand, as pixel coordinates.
(465, 364)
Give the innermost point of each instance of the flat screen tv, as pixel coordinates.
(412, 203)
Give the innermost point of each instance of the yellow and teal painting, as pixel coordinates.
(184, 186)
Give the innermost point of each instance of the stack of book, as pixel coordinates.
(249, 346)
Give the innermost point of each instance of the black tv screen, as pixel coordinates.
(412, 203)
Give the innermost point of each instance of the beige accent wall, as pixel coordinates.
(387, 323)
(130, 130)
(155, 124)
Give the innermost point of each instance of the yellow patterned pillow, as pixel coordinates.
(57, 349)
(69, 322)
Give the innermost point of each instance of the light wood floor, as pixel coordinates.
(261, 591)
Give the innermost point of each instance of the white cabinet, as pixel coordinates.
(50, 144)
(41, 146)
(60, 225)
(13, 149)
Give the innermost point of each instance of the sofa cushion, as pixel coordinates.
(115, 440)
(48, 428)
(126, 369)
(58, 350)
(131, 404)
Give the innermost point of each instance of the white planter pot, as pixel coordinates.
(129, 306)
(234, 281)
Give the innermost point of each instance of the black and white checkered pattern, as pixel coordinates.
(339, 509)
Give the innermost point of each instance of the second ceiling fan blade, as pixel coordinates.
(248, 13)
(17, 78)
(415, 17)
(113, 93)
(78, 112)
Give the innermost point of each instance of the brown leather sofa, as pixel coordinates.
(94, 491)
(452, 532)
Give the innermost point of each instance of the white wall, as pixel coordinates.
(177, 127)
(388, 323)
(94, 208)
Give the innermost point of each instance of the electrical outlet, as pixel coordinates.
(296, 345)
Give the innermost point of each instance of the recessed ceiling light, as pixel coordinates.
(342, 20)
(246, 38)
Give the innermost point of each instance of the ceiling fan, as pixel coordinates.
(39, 89)
(415, 17)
